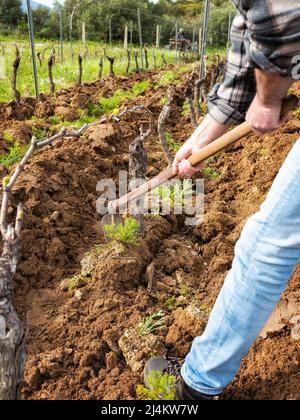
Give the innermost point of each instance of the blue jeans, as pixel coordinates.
(265, 256)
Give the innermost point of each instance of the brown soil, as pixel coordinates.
(82, 344)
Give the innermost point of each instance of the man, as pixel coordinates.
(260, 70)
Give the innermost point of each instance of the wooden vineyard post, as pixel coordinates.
(110, 32)
(126, 38)
(131, 32)
(140, 37)
(157, 42)
(83, 35)
(176, 42)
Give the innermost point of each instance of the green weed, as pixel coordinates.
(184, 290)
(8, 137)
(83, 119)
(211, 173)
(15, 154)
(77, 281)
(127, 232)
(185, 109)
(151, 323)
(161, 387)
(39, 133)
(172, 144)
(54, 120)
(171, 303)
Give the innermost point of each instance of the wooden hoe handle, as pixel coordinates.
(289, 103)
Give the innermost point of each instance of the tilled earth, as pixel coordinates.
(82, 343)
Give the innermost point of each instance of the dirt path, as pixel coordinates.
(73, 337)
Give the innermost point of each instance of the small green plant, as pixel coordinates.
(184, 290)
(84, 118)
(54, 120)
(140, 87)
(171, 303)
(185, 109)
(171, 195)
(164, 100)
(151, 323)
(8, 137)
(94, 110)
(77, 281)
(204, 308)
(39, 133)
(112, 103)
(173, 145)
(14, 155)
(161, 387)
(211, 173)
(127, 232)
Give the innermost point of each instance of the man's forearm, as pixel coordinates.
(208, 131)
(271, 88)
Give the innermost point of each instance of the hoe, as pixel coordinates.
(116, 207)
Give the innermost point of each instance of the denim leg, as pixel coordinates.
(265, 256)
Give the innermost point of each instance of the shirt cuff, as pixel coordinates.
(279, 65)
(220, 111)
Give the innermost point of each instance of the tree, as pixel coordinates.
(10, 13)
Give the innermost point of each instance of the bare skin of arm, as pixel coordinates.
(263, 116)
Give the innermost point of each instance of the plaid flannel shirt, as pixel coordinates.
(265, 34)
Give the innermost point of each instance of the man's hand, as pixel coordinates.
(264, 114)
(181, 165)
(264, 118)
(208, 131)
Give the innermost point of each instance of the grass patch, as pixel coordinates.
(126, 233)
(14, 155)
(151, 323)
(9, 138)
(39, 133)
(211, 173)
(172, 144)
(112, 104)
(171, 303)
(54, 120)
